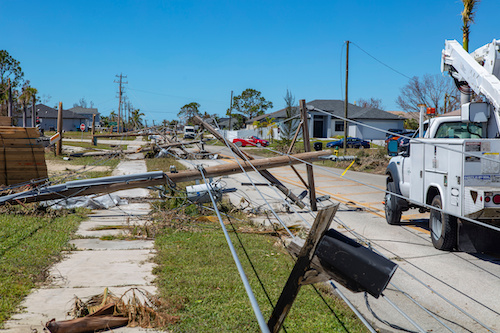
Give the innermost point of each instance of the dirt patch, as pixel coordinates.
(58, 167)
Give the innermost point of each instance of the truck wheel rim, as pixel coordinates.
(436, 225)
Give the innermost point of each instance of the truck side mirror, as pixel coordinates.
(392, 148)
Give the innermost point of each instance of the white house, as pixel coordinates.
(327, 125)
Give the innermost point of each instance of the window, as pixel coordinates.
(459, 130)
(339, 126)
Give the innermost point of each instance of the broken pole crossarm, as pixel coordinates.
(118, 183)
(266, 174)
(302, 265)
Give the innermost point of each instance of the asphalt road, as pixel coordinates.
(436, 291)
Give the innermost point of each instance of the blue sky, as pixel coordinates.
(177, 52)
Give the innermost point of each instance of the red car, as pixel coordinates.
(251, 141)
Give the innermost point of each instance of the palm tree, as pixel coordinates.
(271, 125)
(136, 117)
(28, 93)
(259, 126)
(468, 18)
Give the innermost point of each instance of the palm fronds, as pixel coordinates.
(468, 18)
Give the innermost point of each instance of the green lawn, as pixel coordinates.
(197, 276)
(30, 241)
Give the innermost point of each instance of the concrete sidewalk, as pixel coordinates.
(94, 264)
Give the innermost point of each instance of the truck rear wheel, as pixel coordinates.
(443, 227)
(392, 209)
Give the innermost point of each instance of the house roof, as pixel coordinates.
(80, 110)
(336, 108)
(44, 111)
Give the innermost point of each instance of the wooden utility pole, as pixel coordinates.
(293, 284)
(307, 148)
(182, 176)
(231, 111)
(94, 141)
(266, 174)
(120, 94)
(59, 129)
(346, 129)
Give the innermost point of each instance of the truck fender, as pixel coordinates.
(392, 173)
(432, 191)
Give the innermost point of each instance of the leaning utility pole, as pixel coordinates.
(120, 93)
(307, 148)
(346, 102)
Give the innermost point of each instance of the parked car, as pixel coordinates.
(251, 141)
(351, 143)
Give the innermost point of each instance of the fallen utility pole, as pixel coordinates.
(118, 183)
(140, 150)
(266, 174)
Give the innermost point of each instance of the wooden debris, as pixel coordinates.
(22, 158)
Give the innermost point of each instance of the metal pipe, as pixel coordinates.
(251, 296)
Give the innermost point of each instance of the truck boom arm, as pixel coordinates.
(464, 67)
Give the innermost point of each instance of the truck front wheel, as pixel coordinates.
(443, 227)
(392, 208)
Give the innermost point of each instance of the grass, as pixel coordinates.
(30, 241)
(198, 277)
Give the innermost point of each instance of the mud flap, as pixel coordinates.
(473, 238)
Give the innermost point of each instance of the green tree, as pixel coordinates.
(250, 104)
(136, 117)
(270, 126)
(105, 120)
(291, 122)
(10, 71)
(188, 111)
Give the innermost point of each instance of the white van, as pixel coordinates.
(189, 132)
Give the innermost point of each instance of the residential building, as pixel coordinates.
(367, 123)
(48, 119)
(88, 114)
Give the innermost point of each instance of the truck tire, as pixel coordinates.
(392, 208)
(443, 227)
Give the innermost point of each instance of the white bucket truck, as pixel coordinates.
(455, 166)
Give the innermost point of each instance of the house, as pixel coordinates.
(327, 125)
(48, 119)
(88, 114)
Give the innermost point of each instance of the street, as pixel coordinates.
(431, 290)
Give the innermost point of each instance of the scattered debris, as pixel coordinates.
(136, 307)
(93, 202)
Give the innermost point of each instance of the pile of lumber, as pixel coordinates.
(22, 156)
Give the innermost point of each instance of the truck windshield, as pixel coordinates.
(459, 130)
